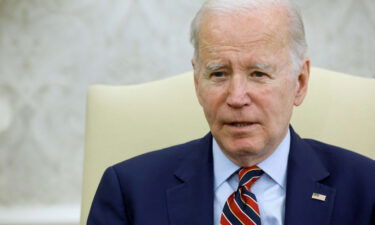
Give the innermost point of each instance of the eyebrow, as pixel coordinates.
(257, 66)
(260, 66)
(214, 66)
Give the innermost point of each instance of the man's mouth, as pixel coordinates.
(240, 124)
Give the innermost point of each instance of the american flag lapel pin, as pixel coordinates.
(319, 197)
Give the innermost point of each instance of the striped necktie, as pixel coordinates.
(241, 207)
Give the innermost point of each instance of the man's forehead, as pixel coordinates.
(255, 55)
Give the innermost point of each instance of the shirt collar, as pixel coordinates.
(223, 167)
(274, 166)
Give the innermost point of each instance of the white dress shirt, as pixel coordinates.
(269, 190)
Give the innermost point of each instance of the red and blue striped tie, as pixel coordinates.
(241, 207)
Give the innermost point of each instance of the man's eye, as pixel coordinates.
(258, 74)
(218, 74)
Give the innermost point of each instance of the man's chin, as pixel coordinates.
(243, 148)
(245, 156)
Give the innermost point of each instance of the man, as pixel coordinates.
(250, 69)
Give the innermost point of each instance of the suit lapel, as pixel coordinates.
(305, 173)
(191, 201)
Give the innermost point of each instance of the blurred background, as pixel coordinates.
(51, 51)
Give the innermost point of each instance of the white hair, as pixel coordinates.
(298, 45)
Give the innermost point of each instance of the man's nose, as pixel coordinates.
(238, 93)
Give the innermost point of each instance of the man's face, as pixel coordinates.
(245, 83)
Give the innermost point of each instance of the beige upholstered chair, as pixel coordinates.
(124, 121)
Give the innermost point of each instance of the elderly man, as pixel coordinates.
(250, 69)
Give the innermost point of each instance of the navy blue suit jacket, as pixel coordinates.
(174, 186)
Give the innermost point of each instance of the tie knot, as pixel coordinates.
(248, 176)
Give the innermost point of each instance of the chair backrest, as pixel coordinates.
(124, 121)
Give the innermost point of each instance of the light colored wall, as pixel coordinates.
(52, 50)
(339, 34)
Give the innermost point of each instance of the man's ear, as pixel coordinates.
(302, 83)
